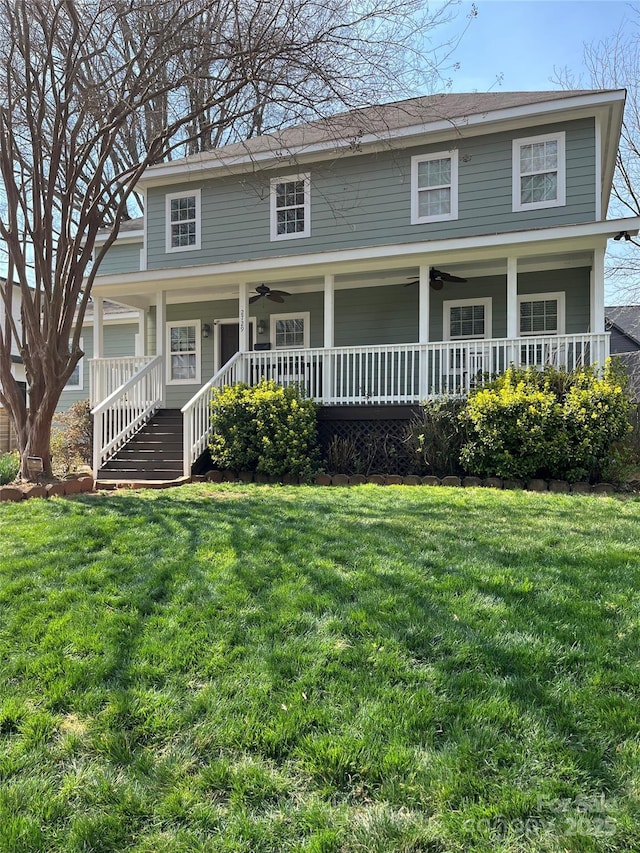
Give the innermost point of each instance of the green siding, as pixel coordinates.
(119, 340)
(121, 258)
(364, 201)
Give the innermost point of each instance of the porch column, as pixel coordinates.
(243, 326)
(97, 374)
(329, 338)
(596, 300)
(599, 353)
(424, 306)
(161, 331)
(98, 327)
(512, 298)
(141, 337)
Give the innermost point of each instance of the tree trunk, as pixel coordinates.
(34, 437)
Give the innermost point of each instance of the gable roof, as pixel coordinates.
(356, 129)
(626, 319)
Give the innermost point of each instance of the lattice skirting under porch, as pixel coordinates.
(365, 439)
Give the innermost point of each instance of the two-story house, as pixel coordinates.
(378, 258)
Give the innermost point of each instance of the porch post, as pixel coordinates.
(97, 394)
(596, 305)
(512, 314)
(141, 337)
(596, 300)
(243, 324)
(424, 306)
(329, 337)
(161, 331)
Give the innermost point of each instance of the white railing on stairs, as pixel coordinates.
(125, 410)
(196, 413)
(107, 374)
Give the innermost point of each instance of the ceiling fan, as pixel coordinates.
(437, 279)
(273, 295)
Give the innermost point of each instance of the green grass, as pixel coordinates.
(332, 670)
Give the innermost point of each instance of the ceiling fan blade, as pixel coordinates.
(274, 297)
(447, 276)
(410, 283)
(253, 299)
(281, 292)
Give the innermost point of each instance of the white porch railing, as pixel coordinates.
(108, 374)
(408, 373)
(388, 374)
(196, 413)
(125, 410)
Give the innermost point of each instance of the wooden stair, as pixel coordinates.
(153, 454)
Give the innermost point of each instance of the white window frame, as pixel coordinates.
(561, 199)
(168, 223)
(80, 366)
(172, 324)
(448, 304)
(543, 297)
(416, 219)
(305, 316)
(284, 179)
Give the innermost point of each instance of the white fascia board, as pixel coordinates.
(123, 237)
(493, 245)
(571, 107)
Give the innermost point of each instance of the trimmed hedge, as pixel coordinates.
(264, 428)
(548, 424)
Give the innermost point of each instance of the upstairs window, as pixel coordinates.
(290, 207)
(434, 187)
(539, 172)
(183, 221)
(541, 313)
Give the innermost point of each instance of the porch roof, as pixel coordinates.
(562, 245)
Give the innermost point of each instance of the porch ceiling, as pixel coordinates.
(560, 247)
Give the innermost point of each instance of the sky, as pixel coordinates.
(517, 44)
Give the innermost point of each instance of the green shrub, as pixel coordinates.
(547, 424)
(264, 428)
(72, 438)
(9, 467)
(436, 436)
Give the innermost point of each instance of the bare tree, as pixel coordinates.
(614, 63)
(94, 92)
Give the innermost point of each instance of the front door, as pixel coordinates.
(230, 340)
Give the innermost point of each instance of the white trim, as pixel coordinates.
(596, 292)
(598, 176)
(172, 324)
(373, 257)
(169, 197)
(559, 296)
(451, 155)
(512, 297)
(560, 200)
(283, 179)
(305, 316)
(80, 367)
(448, 304)
(145, 231)
(123, 237)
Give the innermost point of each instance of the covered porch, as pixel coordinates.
(360, 331)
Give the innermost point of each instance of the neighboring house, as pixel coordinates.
(378, 258)
(623, 324)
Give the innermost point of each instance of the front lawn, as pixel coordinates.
(371, 669)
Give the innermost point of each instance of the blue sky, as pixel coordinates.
(522, 41)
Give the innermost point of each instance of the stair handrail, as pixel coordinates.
(196, 414)
(125, 410)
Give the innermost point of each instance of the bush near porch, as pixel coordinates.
(264, 428)
(549, 424)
